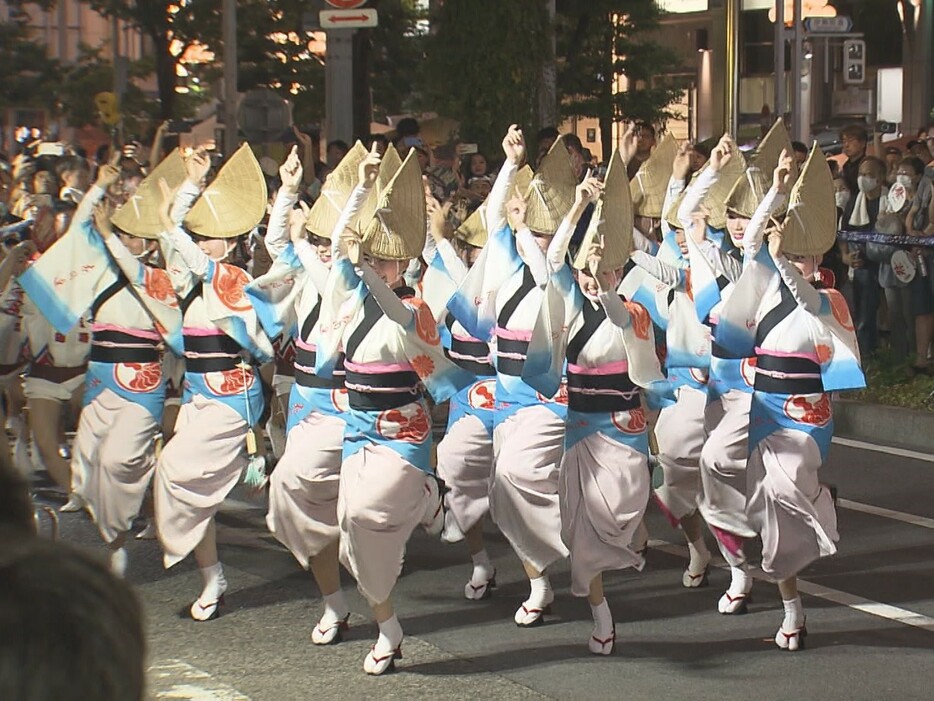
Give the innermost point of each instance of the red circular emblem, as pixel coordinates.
(138, 377)
(482, 395)
(631, 422)
(841, 312)
(698, 375)
(230, 382)
(425, 324)
(800, 409)
(159, 286)
(346, 4)
(640, 320)
(409, 423)
(229, 282)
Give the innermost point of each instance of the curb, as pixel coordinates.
(884, 425)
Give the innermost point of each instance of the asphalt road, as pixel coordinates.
(870, 617)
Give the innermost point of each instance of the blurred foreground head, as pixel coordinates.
(71, 631)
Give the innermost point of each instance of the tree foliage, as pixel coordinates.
(601, 40)
(483, 65)
(29, 76)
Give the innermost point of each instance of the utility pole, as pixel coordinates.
(797, 64)
(230, 76)
(548, 98)
(338, 82)
(731, 75)
(779, 107)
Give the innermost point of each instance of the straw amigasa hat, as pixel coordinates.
(716, 199)
(649, 186)
(139, 215)
(749, 191)
(473, 231)
(811, 223)
(671, 216)
(523, 181)
(612, 220)
(389, 165)
(551, 194)
(397, 229)
(234, 203)
(335, 192)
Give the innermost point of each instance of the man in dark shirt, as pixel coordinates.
(854, 139)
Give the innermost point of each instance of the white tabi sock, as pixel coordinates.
(482, 568)
(390, 636)
(602, 620)
(794, 614)
(700, 556)
(541, 594)
(335, 608)
(215, 584)
(740, 581)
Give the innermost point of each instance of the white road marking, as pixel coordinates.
(922, 521)
(174, 679)
(888, 450)
(857, 603)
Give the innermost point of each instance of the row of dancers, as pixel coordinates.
(599, 342)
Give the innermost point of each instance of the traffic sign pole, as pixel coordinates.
(339, 85)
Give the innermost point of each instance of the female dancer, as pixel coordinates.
(465, 454)
(610, 351)
(805, 347)
(390, 343)
(223, 399)
(303, 491)
(508, 281)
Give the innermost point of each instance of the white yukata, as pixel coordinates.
(604, 476)
(304, 487)
(805, 348)
(465, 454)
(391, 344)
(203, 461)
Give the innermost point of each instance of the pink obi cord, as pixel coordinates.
(139, 333)
(299, 343)
(617, 368)
(783, 354)
(510, 335)
(194, 331)
(377, 368)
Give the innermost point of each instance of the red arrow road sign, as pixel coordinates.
(346, 4)
(348, 19)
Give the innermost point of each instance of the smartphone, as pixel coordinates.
(179, 126)
(467, 149)
(48, 148)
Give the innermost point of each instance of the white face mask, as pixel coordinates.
(904, 180)
(867, 183)
(842, 198)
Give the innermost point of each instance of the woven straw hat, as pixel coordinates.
(716, 199)
(748, 192)
(234, 203)
(397, 229)
(771, 147)
(139, 215)
(612, 220)
(671, 216)
(389, 165)
(335, 192)
(551, 193)
(523, 181)
(473, 231)
(811, 223)
(651, 182)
